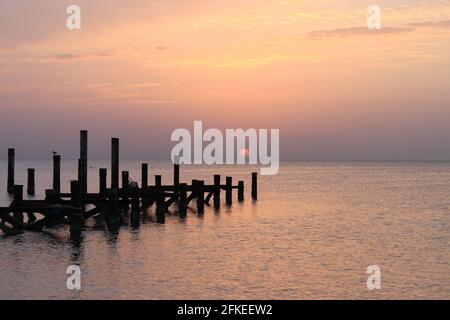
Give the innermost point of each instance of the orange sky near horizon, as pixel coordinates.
(310, 68)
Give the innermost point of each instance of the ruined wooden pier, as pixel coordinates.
(109, 207)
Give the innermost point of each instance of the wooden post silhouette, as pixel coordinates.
(75, 218)
(135, 209)
(113, 212)
(125, 181)
(75, 193)
(83, 160)
(18, 193)
(158, 181)
(114, 163)
(200, 196)
(103, 172)
(182, 205)
(57, 173)
(11, 158)
(176, 175)
(79, 171)
(160, 206)
(229, 190)
(241, 191)
(50, 195)
(111, 203)
(144, 178)
(18, 198)
(254, 185)
(194, 188)
(30, 182)
(217, 191)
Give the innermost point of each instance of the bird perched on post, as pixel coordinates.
(54, 153)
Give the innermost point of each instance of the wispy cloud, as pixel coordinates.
(358, 31)
(68, 57)
(442, 24)
(125, 99)
(124, 93)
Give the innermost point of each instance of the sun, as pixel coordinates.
(244, 152)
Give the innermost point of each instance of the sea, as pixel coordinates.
(317, 231)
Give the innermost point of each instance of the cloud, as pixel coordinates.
(443, 24)
(68, 57)
(357, 31)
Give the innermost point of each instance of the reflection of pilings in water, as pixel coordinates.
(109, 205)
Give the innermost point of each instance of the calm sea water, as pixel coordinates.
(312, 234)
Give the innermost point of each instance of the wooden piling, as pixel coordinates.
(83, 158)
(241, 191)
(11, 158)
(125, 180)
(110, 204)
(135, 208)
(113, 212)
(229, 190)
(103, 172)
(160, 207)
(50, 195)
(75, 193)
(158, 181)
(217, 191)
(30, 182)
(200, 197)
(144, 178)
(18, 198)
(182, 205)
(114, 163)
(254, 185)
(176, 175)
(79, 170)
(18, 193)
(194, 188)
(75, 218)
(57, 173)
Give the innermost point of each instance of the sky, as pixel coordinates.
(140, 69)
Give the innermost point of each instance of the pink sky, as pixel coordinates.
(140, 69)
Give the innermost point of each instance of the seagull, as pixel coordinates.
(54, 152)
